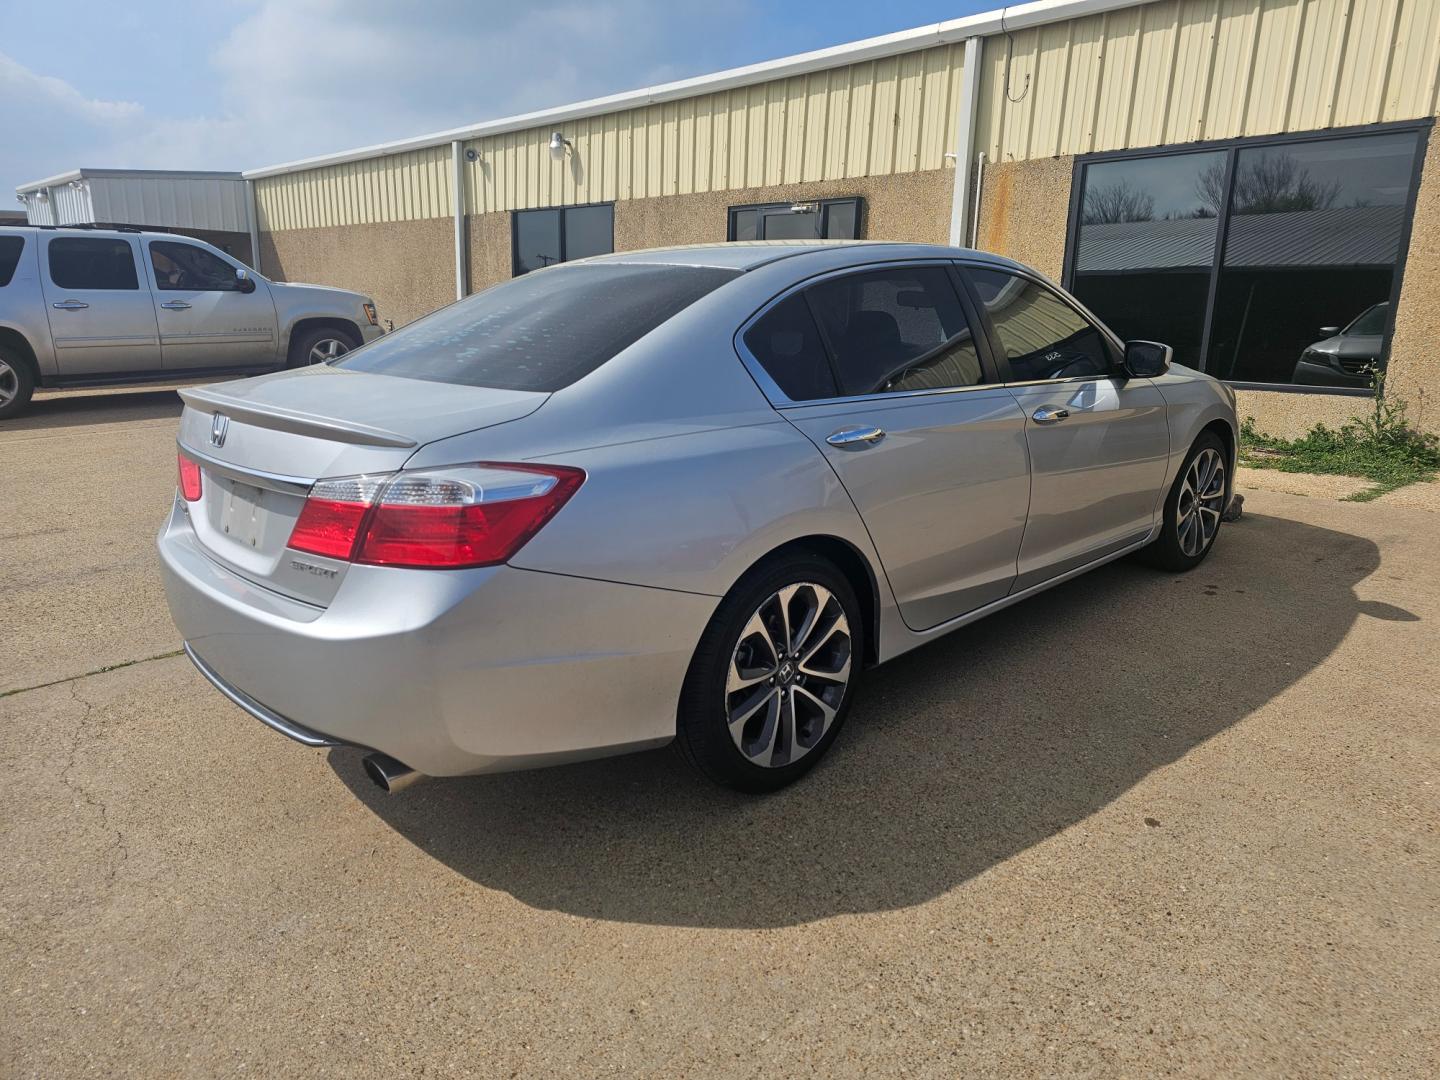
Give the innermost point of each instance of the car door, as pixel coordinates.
(1099, 442)
(102, 320)
(882, 370)
(206, 318)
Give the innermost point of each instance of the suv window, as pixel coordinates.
(193, 269)
(1043, 336)
(787, 344)
(896, 329)
(542, 331)
(92, 262)
(10, 248)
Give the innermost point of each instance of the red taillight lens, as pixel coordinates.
(470, 515)
(189, 478)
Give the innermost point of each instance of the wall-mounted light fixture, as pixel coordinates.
(558, 143)
(42, 195)
(22, 197)
(78, 185)
(472, 154)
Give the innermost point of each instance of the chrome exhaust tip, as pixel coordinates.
(388, 774)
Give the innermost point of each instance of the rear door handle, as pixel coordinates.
(176, 305)
(1049, 414)
(856, 437)
(69, 305)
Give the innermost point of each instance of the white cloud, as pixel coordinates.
(304, 77)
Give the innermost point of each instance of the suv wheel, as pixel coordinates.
(320, 346)
(17, 383)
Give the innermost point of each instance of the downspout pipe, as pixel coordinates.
(457, 188)
(965, 136)
(254, 224)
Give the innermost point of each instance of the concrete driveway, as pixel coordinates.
(1141, 825)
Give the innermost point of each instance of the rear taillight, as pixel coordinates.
(466, 515)
(189, 478)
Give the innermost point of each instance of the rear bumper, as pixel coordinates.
(450, 672)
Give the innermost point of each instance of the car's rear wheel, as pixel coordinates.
(320, 346)
(773, 676)
(1194, 507)
(17, 383)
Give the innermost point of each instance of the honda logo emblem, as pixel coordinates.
(218, 427)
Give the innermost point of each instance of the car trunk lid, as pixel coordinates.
(261, 444)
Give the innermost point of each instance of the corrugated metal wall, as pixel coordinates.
(895, 115)
(397, 187)
(1175, 71)
(184, 202)
(1184, 70)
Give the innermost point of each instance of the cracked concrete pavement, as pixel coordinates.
(1147, 825)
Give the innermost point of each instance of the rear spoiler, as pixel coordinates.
(289, 420)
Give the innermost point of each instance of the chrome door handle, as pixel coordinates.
(1049, 414)
(176, 305)
(69, 305)
(858, 437)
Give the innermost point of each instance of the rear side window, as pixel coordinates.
(542, 331)
(895, 330)
(787, 344)
(10, 248)
(92, 263)
(1043, 336)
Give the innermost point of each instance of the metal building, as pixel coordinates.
(1252, 180)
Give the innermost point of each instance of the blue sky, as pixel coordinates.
(245, 83)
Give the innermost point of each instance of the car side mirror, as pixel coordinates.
(243, 281)
(1329, 331)
(1146, 359)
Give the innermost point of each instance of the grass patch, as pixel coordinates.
(1380, 447)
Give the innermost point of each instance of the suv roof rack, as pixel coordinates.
(89, 225)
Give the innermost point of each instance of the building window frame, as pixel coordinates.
(561, 211)
(824, 205)
(1232, 147)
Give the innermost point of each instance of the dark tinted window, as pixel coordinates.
(562, 234)
(92, 263)
(185, 266)
(894, 330)
(787, 344)
(542, 331)
(10, 248)
(830, 219)
(1043, 336)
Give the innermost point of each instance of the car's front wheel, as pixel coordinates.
(320, 346)
(1194, 508)
(773, 676)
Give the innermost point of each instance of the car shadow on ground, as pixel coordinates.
(955, 757)
(65, 410)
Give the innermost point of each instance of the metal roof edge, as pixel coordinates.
(99, 174)
(1010, 18)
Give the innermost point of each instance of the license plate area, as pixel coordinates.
(243, 514)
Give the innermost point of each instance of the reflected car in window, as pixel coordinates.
(1348, 357)
(682, 496)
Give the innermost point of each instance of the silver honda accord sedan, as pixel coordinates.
(686, 495)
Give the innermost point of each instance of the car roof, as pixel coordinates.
(750, 254)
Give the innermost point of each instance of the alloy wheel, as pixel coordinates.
(325, 350)
(1202, 501)
(9, 383)
(788, 675)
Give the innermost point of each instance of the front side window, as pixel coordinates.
(1043, 336)
(541, 332)
(823, 219)
(10, 248)
(92, 262)
(190, 268)
(895, 330)
(559, 234)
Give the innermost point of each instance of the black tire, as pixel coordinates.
(703, 725)
(17, 384)
(1168, 551)
(303, 343)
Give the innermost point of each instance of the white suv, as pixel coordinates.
(90, 307)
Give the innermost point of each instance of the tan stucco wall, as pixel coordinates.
(489, 254)
(1024, 207)
(1414, 370)
(407, 266)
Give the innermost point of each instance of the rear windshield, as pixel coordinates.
(542, 331)
(10, 248)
